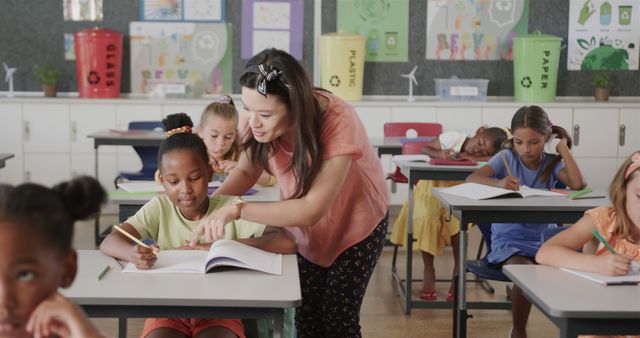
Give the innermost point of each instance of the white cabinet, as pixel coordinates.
(594, 132)
(413, 114)
(10, 143)
(46, 128)
(598, 172)
(374, 119)
(84, 164)
(47, 168)
(465, 119)
(497, 117)
(628, 132)
(89, 118)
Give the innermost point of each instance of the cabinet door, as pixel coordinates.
(497, 117)
(628, 135)
(46, 128)
(193, 110)
(465, 119)
(598, 172)
(374, 119)
(47, 168)
(413, 114)
(595, 132)
(11, 143)
(84, 164)
(90, 118)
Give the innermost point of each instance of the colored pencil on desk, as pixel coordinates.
(579, 193)
(133, 238)
(603, 241)
(104, 272)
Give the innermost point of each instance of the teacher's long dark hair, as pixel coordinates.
(275, 72)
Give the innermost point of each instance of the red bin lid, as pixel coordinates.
(98, 32)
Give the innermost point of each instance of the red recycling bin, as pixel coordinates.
(98, 62)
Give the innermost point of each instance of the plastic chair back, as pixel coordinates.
(481, 267)
(400, 129)
(148, 155)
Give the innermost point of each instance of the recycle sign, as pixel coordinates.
(334, 81)
(526, 82)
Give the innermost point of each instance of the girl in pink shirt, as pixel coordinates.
(334, 198)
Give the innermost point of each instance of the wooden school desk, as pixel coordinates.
(121, 138)
(576, 305)
(129, 203)
(505, 210)
(4, 158)
(237, 293)
(422, 171)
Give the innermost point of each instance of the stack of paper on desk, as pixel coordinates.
(480, 191)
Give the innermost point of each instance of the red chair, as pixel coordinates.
(400, 129)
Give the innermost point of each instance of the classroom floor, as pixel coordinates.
(381, 314)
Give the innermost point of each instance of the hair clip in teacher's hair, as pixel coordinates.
(269, 73)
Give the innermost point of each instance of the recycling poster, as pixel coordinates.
(603, 35)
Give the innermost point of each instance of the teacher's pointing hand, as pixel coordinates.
(212, 226)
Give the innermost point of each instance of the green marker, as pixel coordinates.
(579, 193)
(603, 241)
(104, 272)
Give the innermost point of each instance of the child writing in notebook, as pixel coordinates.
(526, 163)
(618, 224)
(169, 220)
(219, 129)
(430, 226)
(36, 257)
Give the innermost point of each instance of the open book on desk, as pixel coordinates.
(481, 192)
(633, 277)
(223, 252)
(411, 158)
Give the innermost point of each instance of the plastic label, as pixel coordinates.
(464, 91)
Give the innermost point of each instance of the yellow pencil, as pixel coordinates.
(139, 242)
(506, 165)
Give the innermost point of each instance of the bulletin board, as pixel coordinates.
(33, 33)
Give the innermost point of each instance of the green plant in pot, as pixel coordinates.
(603, 82)
(48, 76)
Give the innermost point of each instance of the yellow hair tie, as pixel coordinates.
(183, 129)
(507, 132)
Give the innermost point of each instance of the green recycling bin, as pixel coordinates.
(535, 67)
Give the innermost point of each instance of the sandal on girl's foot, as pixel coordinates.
(450, 296)
(428, 295)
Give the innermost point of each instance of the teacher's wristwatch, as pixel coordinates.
(238, 204)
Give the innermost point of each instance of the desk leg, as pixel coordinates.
(409, 278)
(122, 327)
(460, 319)
(278, 325)
(96, 230)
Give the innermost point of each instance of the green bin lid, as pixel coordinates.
(538, 38)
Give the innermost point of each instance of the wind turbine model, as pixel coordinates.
(412, 79)
(8, 77)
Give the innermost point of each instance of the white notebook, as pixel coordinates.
(633, 277)
(224, 252)
(411, 158)
(480, 191)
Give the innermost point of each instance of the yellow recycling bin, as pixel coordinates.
(342, 64)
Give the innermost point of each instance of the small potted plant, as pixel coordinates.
(603, 82)
(48, 76)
